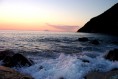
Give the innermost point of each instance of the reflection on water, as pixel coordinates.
(51, 41)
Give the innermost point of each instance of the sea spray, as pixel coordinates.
(68, 67)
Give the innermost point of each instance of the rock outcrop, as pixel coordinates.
(10, 59)
(8, 73)
(112, 55)
(113, 74)
(5, 53)
(17, 60)
(83, 39)
(94, 42)
(106, 23)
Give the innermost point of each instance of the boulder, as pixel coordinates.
(115, 42)
(83, 39)
(7, 61)
(113, 74)
(105, 23)
(112, 55)
(17, 60)
(61, 78)
(41, 67)
(86, 61)
(5, 53)
(95, 42)
(8, 73)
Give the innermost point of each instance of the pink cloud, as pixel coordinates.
(67, 28)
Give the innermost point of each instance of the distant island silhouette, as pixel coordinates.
(105, 23)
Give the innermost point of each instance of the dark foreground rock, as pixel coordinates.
(17, 60)
(113, 74)
(5, 53)
(83, 39)
(106, 23)
(61, 78)
(112, 55)
(10, 59)
(115, 42)
(8, 73)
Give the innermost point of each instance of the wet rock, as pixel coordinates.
(115, 42)
(21, 60)
(86, 61)
(5, 53)
(84, 39)
(61, 78)
(113, 74)
(112, 55)
(7, 61)
(17, 60)
(95, 42)
(8, 73)
(41, 67)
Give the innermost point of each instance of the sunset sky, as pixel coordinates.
(50, 15)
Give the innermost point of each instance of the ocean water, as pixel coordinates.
(60, 53)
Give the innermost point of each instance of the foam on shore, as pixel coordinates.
(68, 67)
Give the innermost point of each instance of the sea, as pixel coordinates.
(60, 54)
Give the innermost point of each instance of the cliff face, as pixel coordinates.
(106, 23)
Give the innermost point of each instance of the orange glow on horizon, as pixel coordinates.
(30, 16)
(23, 23)
(28, 27)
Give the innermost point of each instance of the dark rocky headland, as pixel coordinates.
(105, 23)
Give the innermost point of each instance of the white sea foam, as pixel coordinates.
(68, 67)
